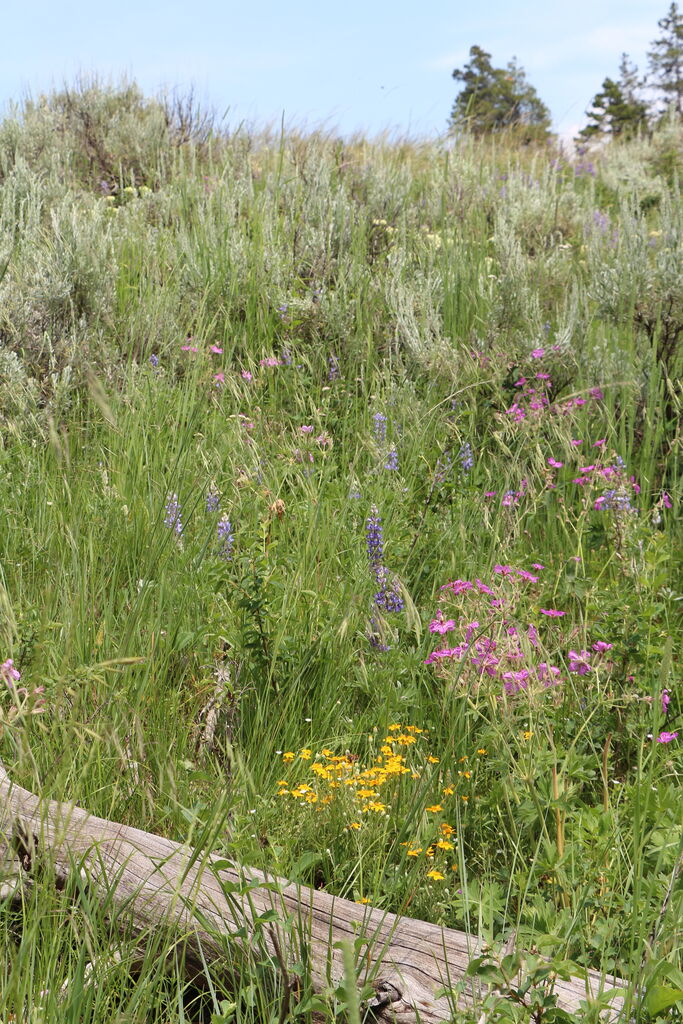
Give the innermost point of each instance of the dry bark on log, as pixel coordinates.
(154, 882)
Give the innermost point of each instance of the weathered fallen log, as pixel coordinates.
(155, 883)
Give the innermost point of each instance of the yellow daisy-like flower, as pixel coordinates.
(363, 899)
(434, 809)
(433, 760)
(415, 852)
(527, 735)
(288, 756)
(305, 754)
(355, 825)
(482, 750)
(436, 876)
(448, 791)
(365, 793)
(444, 844)
(395, 727)
(375, 806)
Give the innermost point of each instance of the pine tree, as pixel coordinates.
(666, 58)
(617, 109)
(493, 99)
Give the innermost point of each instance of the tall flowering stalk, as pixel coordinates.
(388, 595)
(466, 457)
(213, 500)
(173, 520)
(374, 538)
(225, 538)
(380, 427)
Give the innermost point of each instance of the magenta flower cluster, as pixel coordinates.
(490, 641)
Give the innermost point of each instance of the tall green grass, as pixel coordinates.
(383, 277)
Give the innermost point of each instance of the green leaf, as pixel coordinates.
(661, 997)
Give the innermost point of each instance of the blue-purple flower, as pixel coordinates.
(392, 460)
(225, 538)
(173, 518)
(374, 537)
(466, 457)
(380, 422)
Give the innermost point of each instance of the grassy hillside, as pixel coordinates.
(341, 529)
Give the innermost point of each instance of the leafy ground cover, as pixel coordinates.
(341, 532)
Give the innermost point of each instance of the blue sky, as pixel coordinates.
(366, 65)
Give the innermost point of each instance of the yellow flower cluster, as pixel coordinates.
(371, 788)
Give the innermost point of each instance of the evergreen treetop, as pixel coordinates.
(493, 99)
(666, 58)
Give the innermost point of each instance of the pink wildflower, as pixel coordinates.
(666, 700)
(576, 442)
(189, 348)
(219, 379)
(537, 353)
(8, 672)
(526, 575)
(270, 361)
(216, 350)
(666, 500)
(458, 586)
(516, 681)
(667, 737)
(555, 464)
(438, 626)
(600, 443)
(537, 565)
(446, 652)
(503, 570)
(579, 662)
(548, 674)
(306, 429)
(601, 647)
(246, 375)
(552, 613)
(483, 588)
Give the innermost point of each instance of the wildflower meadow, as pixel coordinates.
(341, 535)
